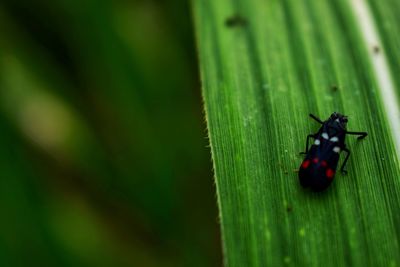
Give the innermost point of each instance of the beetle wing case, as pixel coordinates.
(315, 177)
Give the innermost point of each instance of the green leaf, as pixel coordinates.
(266, 65)
(387, 14)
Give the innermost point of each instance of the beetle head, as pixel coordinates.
(339, 119)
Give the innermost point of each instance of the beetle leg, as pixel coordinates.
(342, 170)
(361, 134)
(308, 139)
(316, 118)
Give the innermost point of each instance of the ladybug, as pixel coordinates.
(319, 165)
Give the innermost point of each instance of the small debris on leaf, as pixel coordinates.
(235, 21)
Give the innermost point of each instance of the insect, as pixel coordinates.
(319, 165)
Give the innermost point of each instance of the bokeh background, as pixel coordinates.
(103, 150)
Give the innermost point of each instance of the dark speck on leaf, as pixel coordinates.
(289, 208)
(376, 49)
(334, 88)
(235, 21)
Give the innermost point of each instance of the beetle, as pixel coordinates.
(319, 165)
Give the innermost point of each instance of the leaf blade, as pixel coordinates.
(260, 80)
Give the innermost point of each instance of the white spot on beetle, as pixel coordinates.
(317, 142)
(334, 139)
(336, 149)
(325, 136)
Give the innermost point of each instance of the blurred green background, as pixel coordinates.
(103, 150)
